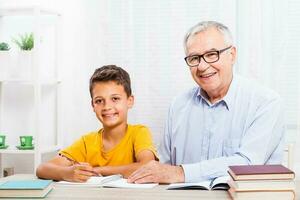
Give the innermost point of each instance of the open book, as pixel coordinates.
(108, 181)
(219, 183)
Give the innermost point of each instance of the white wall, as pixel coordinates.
(145, 37)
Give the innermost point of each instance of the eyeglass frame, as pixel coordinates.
(202, 56)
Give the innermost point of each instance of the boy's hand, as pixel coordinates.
(98, 171)
(79, 172)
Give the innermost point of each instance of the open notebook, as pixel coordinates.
(108, 181)
(219, 183)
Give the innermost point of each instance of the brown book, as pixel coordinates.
(274, 195)
(260, 172)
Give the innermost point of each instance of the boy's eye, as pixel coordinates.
(116, 98)
(98, 101)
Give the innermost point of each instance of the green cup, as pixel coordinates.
(2, 140)
(26, 140)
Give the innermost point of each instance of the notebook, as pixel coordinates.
(115, 181)
(26, 188)
(260, 172)
(219, 183)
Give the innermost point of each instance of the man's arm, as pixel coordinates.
(263, 137)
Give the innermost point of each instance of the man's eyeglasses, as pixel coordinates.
(208, 57)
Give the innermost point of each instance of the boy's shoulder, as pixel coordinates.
(134, 129)
(137, 128)
(92, 135)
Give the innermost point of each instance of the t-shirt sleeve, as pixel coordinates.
(77, 151)
(143, 141)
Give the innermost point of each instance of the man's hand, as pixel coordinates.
(80, 172)
(154, 172)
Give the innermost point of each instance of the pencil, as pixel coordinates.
(69, 159)
(75, 162)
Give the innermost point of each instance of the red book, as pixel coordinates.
(260, 172)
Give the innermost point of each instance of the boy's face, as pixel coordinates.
(111, 103)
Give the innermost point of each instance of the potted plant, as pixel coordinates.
(23, 68)
(4, 59)
(25, 42)
(4, 46)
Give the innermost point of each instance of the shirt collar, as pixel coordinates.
(227, 99)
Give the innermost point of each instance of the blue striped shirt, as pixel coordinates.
(245, 127)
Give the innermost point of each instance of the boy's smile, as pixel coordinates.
(110, 103)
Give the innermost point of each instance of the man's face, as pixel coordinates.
(111, 103)
(215, 77)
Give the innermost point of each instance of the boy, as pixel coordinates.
(117, 148)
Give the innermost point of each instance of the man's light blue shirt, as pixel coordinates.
(245, 127)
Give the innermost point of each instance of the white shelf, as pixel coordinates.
(17, 11)
(25, 82)
(35, 79)
(14, 150)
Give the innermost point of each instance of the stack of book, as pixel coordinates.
(25, 188)
(261, 182)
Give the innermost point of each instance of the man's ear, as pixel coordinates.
(130, 101)
(233, 53)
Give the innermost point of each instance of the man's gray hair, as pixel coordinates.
(203, 26)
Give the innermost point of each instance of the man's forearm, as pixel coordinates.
(209, 169)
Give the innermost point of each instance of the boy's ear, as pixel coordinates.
(130, 101)
(92, 105)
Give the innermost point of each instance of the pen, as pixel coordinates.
(75, 162)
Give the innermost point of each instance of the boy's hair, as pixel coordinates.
(111, 73)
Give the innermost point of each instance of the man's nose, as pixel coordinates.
(202, 66)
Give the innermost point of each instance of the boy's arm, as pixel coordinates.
(59, 168)
(143, 157)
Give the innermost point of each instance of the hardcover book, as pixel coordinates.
(26, 188)
(260, 172)
(262, 185)
(274, 195)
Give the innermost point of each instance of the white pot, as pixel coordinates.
(5, 64)
(22, 67)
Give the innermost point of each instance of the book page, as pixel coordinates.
(94, 181)
(220, 183)
(122, 183)
(203, 185)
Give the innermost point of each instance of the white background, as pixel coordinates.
(145, 37)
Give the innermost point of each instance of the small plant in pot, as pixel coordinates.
(23, 67)
(25, 42)
(4, 46)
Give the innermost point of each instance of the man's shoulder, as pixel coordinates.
(251, 87)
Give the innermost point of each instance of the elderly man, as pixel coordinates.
(225, 120)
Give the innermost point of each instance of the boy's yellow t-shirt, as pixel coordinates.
(89, 148)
